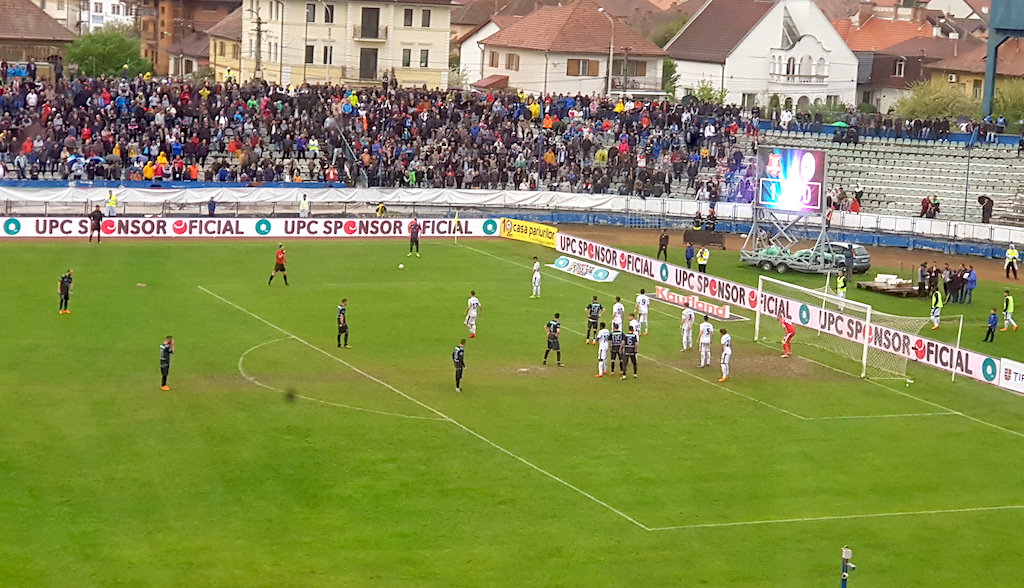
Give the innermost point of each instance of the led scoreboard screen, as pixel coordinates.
(791, 180)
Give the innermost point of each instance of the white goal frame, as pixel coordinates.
(840, 303)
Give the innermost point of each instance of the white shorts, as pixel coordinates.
(616, 324)
(471, 319)
(602, 353)
(1008, 316)
(936, 312)
(643, 317)
(705, 347)
(726, 356)
(536, 279)
(841, 294)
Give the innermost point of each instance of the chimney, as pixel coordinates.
(864, 10)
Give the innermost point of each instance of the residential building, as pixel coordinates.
(471, 53)
(167, 28)
(568, 50)
(34, 34)
(966, 71)
(754, 49)
(225, 49)
(71, 14)
(353, 42)
(101, 13)
(897, 68)
(963, 9)
(467, 17)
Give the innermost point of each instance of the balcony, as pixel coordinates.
(800, 79)
(370, 34)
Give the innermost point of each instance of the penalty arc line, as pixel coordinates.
(252, 380)
(426, 406)
(838, 517)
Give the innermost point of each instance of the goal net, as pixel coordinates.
(836, 337)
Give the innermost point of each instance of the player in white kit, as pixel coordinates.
(643, 304)
(604, 338)
(618, 311)
(472, 308)
(706, 331)
(686, 326)
(726, 354)
(536, 278)
(634, 325)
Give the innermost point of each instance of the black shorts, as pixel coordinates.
(278, 267)
(95, 227)
(615, 352)
(553, 344)
(592, 323)
(342, 329)
(65, 295)
(414, 240)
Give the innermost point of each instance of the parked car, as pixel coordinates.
(861, 257)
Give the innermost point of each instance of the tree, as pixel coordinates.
(663, 33)
(669, 77)
(106, 51)
(1009, 100)
(705, 92)
(936, 100)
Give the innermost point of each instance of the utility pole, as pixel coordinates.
(258, 72)
(625, 70)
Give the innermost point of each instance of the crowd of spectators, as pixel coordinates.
(154, 130)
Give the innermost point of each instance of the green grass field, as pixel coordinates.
(379, 474)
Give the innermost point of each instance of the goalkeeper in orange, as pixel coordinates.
(787, 339)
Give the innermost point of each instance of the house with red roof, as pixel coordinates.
(576, 48)
(755, 49)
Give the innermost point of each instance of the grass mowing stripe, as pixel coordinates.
(433, 410)
(251, 379)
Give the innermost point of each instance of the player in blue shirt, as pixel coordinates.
(553, 328)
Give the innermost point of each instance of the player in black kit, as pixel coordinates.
(594, 312)
(343, 323)
(459, 359)
(553, 328)
(64, 288)
(630, 342)
(663, 244)
(414, 237)
(95, 222)
(616, 344)
(166, 350)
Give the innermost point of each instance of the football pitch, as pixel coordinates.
(377, 473)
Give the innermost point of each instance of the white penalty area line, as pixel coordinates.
(435, 411)
(254, 381)
(876, 515)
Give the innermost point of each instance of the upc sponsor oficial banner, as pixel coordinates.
(915, 348)
(521, 230)
(139, 227)
(584, 270)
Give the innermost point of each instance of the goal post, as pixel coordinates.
(839, 326)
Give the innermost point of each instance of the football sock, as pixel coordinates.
(271, 279)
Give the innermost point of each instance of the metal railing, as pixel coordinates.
(370, 33)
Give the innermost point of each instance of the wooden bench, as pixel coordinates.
(706, 238)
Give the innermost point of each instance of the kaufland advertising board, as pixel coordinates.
(158, 227)
(937, 354)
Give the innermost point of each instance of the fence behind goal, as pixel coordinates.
(842, 341)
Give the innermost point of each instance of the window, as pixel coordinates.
(328, 55)
(425, 19)
(235, 51)
(309, 53)
(60, 5)
(407, 17)
(328, 13)
(406, 57)
(832, 100)
(634, 69)
(790, 34)
(492, 58)
(115, 9)
(976, 89)
(898, 67)
(791, 66)
(220, 48)
(424, 57)
(97, 7)
(512, 62)
(865, 98)
(311, 13)
(582, 67)
(749, 101)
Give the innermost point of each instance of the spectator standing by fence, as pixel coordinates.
(986, 208)
(1012, 258)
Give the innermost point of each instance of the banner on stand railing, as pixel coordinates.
(154, 227)
(530, 232)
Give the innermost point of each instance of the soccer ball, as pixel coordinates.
(401, 266)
